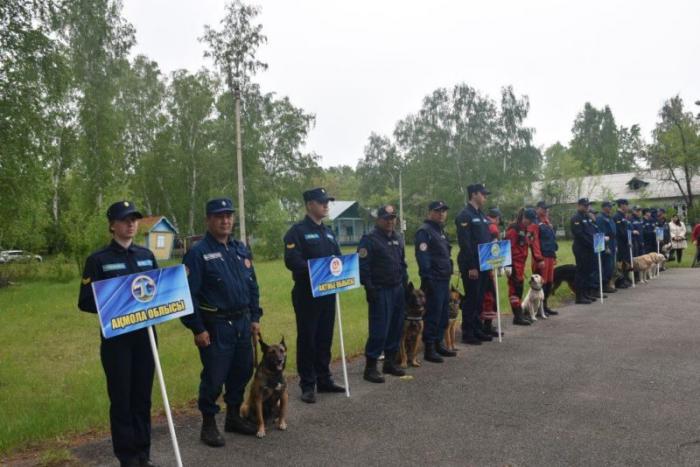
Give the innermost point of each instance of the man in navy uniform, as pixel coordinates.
(384, 274)
(432, 249)
(607, 226)
(636, 225)
(315, 317)
(472, 230)
(623, 246)
(583, 229)
(227, 313)
(127, 359)
(648, 231)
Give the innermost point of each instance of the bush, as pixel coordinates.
(55, 269)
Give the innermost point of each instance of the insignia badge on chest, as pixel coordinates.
(362, 252)
(423, 247)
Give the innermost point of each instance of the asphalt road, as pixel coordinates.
(612, 384)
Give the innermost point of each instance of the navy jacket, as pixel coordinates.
(621, 227)
(433, 252)
(112, 261)
(583, 229)
(607, 226)
(221, 279)
(307, 240)
(548, 239)
(382, 259)
(472, 230)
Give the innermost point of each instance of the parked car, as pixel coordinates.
(18, 256)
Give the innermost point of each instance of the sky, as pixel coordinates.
(362, 65)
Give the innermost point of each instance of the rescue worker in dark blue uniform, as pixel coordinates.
(433, 254)
(315, 317)
(127, 359)
(227, 313)
(662, 223)
(583, 229)
(384, 274)
(622, 226)
(648, 231)
(606, 225)
(637, 238)
(472, 230)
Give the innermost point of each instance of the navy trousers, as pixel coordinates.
(128, 365)
(386, 315)
(315, 321)
(437, 305)
(473, 302)
(227, 363)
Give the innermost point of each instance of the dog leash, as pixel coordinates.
(255, 338)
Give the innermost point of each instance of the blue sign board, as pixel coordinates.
(127, 303)
(659, 234)
(334, 274)
(494, 255)
(598, 243)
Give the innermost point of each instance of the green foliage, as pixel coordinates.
(273, 225)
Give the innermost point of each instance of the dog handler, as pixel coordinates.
(384, 274)
(315, 317)
(226, 299)
(546, 238)
(127, 359)
(520, 235)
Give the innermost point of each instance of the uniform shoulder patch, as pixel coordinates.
(362, 252)
(465, 224)
(86, 280)
(423, 247)
(291, 245)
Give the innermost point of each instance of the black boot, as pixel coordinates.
(518, 318)
(371, 373)
(581, 299)
(389, 366)
(210, 433)
(490, 330)
(430, 354)
(236, 423)
(444, 351)
(547, 292)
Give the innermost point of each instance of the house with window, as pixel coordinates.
(157, 234)
(349, 221)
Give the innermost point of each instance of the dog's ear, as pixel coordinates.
(263, 345)
(283, 345)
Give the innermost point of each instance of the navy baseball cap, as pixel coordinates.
(386, 212)
(646, 211)
(606, 204)
(584, 202)
(636, 208)
(622, 201)
(317, 194)
(438, 206)
(217, 205)
(121, 210)
(495, 212)
(530, 213)
(477, 188)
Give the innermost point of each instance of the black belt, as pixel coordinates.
(224, 314)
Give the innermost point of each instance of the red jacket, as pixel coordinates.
(493, 228)
(533, 231)
(519, 243)
(696, 233)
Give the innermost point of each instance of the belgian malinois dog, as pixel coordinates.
(451, 332)
(268, 397)
(412, 327)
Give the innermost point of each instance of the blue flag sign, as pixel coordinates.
(494, 255)
(598, 243)
(334, 274)
(659, 234)
(127, 303)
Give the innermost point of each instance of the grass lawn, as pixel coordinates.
(51, 382)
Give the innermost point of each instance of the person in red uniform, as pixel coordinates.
(520, 237)
(488, 311)
(546, 242)
(695, 236)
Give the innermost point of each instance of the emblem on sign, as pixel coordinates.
(495, 250)
(336, 266)
(143, 288)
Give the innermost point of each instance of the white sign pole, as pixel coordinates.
(166, 404)
(498, 305)
(632, 267)
(342, 345)
(600, 277)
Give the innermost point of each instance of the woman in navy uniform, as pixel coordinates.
(227, 312)
(127, 359)
(315, 317)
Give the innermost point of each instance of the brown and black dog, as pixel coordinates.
(451, 332)
(268, 397)
(412, 327)
(564, 273)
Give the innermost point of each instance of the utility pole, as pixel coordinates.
(239, 165)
